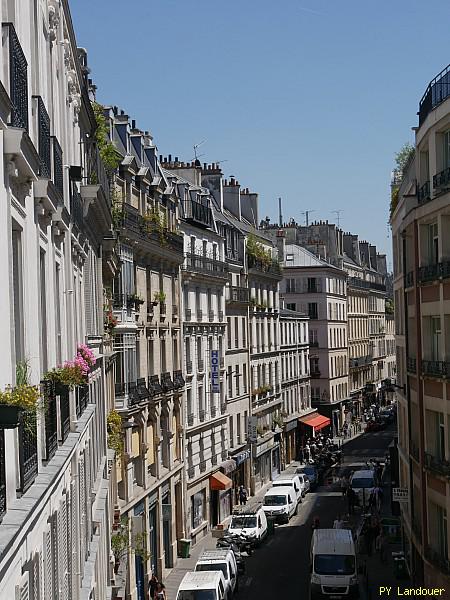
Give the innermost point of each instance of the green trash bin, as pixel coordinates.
(184, 548)
(270, 525)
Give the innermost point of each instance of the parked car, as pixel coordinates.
(249, 520)
(311, 473)
(304, 483)
(198, 585)
(363, 482)
(222, 560)
(372, 426)
(292, 481)
(280, 503)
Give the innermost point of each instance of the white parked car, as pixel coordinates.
(280, 503)
(220, 560)
(199, 585)
(250, 521)
(292, 481)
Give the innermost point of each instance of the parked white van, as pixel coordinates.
(292, 481)
(280, 503)
(203, 586)
(362, 483)
(249, 520)
(333, 565)
(220, 560)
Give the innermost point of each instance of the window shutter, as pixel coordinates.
(55, 553)
(64, 548)
(48, 572)
(23, 590)
(36, 571)
(88, 497)
(82, 503)
(88, 295)
(74, 544)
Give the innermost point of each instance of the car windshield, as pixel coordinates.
(213, 567)
(242, 522)
(283, 483)
(274, 500)
(197, 595)
(362, 482)
(334, 564)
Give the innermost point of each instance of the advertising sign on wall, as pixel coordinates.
(215, 372)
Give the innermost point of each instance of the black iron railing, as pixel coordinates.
(360, 361)
(81, 399)
(436, 368)
(366, 285)
(409, 279)
(190, 419)
(189, 366)
(95, 169)
(434, 271)
(441, 179)
(271, 267)
(58, 169)
(166, 382)
(43, 138)
(201, 214)
(424, 193)
(142, 390)
(178, 379)
(129, 389)
(201, 364)
(437, 465)
(64, 411)
(51, 424)
(197, 263)
(28, 453)
(2, 475)
(238, 294)
(411, 365)
(314, 343)
(76, 208)
(134, 222)
(18, 80)
(437, 91)
(154, 385)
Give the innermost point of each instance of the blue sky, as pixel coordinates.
(307, 100)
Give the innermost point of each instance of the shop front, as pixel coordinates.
(241, 475)
(290, 440)
(266, 461)
(221, 494)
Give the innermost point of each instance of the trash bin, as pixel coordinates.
(400, 568)
(184, 547)
(270, 525)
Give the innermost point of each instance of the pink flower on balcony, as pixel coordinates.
(86, 353)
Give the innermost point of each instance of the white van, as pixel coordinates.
(203, 586)
(249, 520)
(292, 481)
(304, 483)
(363, 482)
(280, 503)
(220, 560)
(333, 565)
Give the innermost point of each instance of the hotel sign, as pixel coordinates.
(215, 372)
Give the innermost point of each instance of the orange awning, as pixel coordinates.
(219, 481)
(318, 422)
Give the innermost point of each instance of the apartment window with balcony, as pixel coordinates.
(244, 378)
(229, 332)
(436, 340)
(43, 310)
(17, 265)
(231, 431)
(238, 384)
(236, 332)
(433, 244)
(438, 533)
(58, 300)
(230, 381)
(163, 356)
(244, 333)
(291, 306)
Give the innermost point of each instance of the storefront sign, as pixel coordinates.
(400, 494)
(265, 447)
(252, 434)
(166, 510)
(241, 457)
(215, 382)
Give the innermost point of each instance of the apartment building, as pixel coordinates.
(318, 289)
(295, 381)
(420, 227)
(55, 496)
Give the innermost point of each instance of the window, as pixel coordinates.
(238, 428)
(18, 294)
(58, 314)
(290, 286)
(230, 381)
(446, 153)
(312, 285)
(433, 244)
(312, 310)
(231, 431)
(162, 345)
(435, 338)
(291, 306)
(244, 378)
(244, 334)
(238, 385)
(198, 509)
(229, 332)
(236, 332)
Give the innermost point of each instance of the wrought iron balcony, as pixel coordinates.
(271, 267)
(411, 365)
(142, 389)
(28, 453)
(198, 213)
(76, 208)
(134, 222)
(434, 272)
(2, 475)
(436, 368)
(188, 314)
(154, 385)
(442, 179)
(166, 382)
(202, 415)
(424, 193)
(437, 91)
(81, 399)
(191, 472)
(18, 80)
(51, 425)
(409, 279)
(197, 263)
(201, 364)
(58, 168)
(437, 465)
(314, 343)
(64, 411)
(211, 315)
(366, 285)
(95, 173)
(189, 366)
(360, 361)
(202, 466)
(43, 138)
(238, 295)
(438, 559)
(178, 379)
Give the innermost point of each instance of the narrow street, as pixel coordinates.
(281, 565)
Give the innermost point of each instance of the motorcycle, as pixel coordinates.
(237, 542)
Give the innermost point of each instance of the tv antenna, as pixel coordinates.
(219, 162)
(307, 213)
(338, 216)
(196, 146)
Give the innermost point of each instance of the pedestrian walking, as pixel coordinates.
(344, 484)
(372, 501)
(160, 591)
(338, 523)
(242, 495)
(152, 585)
(382, 546)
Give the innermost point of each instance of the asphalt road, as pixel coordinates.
(280, 567)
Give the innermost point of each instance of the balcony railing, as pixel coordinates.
(366, 285)
(239, 295)
(315, 374)
(211, 315)
(76, 208)
(434, 271)
(178, 379)
(437, 91)
(424, 193)
(201, 364)
(95, 170)
(166, 382)
(190, 419)
(202, 466)
(202, 415)
(134, 222)
(51, 425)
(18, 80)
(189, 366)
(411, 365)
(314, 343)
(2, 475)
(142, 390)
(28, 453)
(81, 399)
(437, 465)
(188, 314)
(43, 138)
(197, 263)
(438, 559)
(442, 179)
(436, 368)
(271, 267)
(58, 167)
(64, 411)
(360, 361)
(199, 213)
(154, 385)
(409, 279)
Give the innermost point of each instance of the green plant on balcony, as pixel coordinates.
(155, 220)
(159, 297)
(115, 434)
(117, 209)
(389, 306)
(256, 250)
(108, 153)
(24, 396)
(278, 421)
(110, 322)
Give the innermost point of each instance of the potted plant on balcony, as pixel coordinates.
(159, 297)
(20, 403)
(110, 322)
(155, 220)
(115, 434)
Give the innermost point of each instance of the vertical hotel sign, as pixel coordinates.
(215, 382)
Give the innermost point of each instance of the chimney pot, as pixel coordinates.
(205, 166)
(170, 158)
(133, 124)
(176, 159)
(161, 158)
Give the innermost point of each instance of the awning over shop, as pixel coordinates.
(228, 466)
(316, 421)
(218, 481)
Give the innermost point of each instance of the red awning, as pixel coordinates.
(219, 481)
(317, 421)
